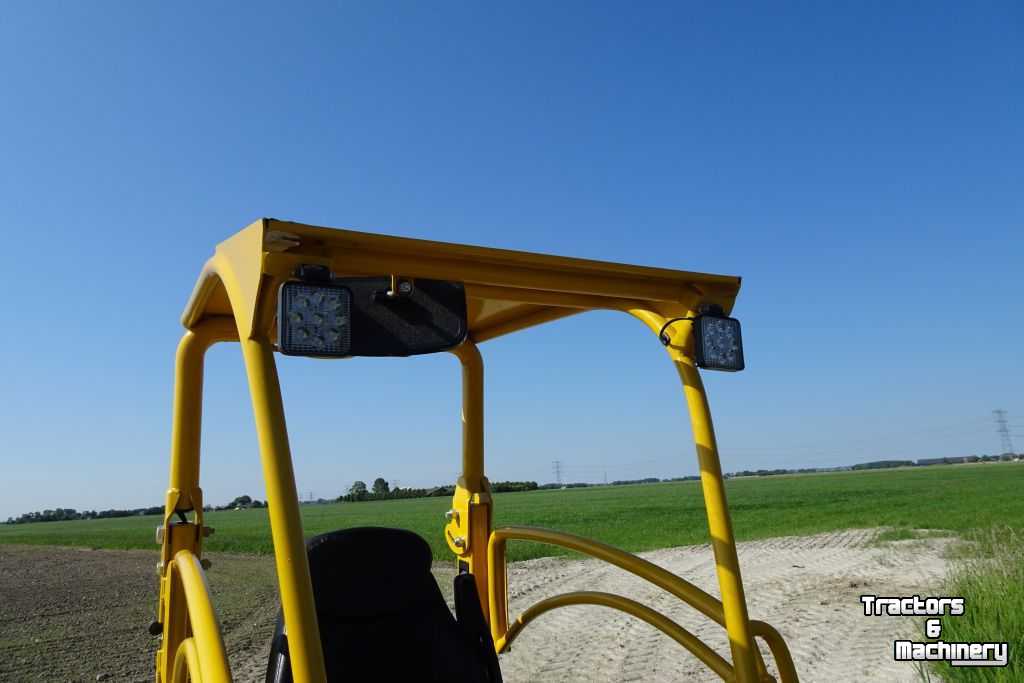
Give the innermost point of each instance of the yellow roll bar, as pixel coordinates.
(186, 663)
(662, 578)
(659, 621)
(779, 649)
(201, 655)
(506, 291)
(503, 633)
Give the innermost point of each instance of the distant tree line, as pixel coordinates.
(881, 464)
(67, 514)
(239, 503)
(765, 473)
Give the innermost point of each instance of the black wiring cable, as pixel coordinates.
(664, 337)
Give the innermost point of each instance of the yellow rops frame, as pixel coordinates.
(507, 291)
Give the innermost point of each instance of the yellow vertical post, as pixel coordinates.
(745, 655)
(723, 543)
(469, 526)
(187, 416)
(184, 493)
(186, 424)
(472, 415)
(296, 589)
(184, 479)
(497, 587)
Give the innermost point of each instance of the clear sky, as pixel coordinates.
(860, 164)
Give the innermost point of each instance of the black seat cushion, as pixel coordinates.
(382, 616)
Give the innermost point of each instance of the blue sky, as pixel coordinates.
(859, 164)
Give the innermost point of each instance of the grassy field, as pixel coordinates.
(990, 576)
(642, 517)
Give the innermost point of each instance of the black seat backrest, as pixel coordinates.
(382, 616)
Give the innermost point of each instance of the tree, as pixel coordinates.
(380, 487)
(358, 490)
(240, 502)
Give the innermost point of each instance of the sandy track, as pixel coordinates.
(807, 587)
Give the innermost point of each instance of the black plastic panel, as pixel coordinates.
(431, 318)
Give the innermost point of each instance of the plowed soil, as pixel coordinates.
(82, 615)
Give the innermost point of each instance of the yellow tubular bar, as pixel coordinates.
(297, 603)
(670, 628)
(186, 663)
(471, 504)
(472, 414)
(497, 589)
(188, 403)
(206, 655)
(184, 493)
(666, 580)
(723, 543)
(780, 651)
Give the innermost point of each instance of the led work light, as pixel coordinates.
(314, 320)
(718, 344)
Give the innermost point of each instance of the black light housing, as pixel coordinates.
(314, 319)
(718, 343)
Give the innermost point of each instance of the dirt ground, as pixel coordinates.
(82, 615)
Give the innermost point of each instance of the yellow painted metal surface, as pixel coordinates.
(507, 291)
(186, 663)
(503, 633)
(184, 495)
(659, 621)
(779, 649)
(723, 542)
(294, 584)
(194, 645)
(247, 267)
(211, 656)
(469, 525)
(666, 580)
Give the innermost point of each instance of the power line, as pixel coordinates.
(1003, 429)
(557, 467)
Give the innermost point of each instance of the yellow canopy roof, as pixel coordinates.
(506, 290)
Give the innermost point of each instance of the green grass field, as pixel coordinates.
(990, 576)
(642, 517)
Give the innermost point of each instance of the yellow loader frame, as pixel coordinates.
(235, 300)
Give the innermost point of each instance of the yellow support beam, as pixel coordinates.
(779, 649)
(723, 542)
(469, 524)
(662, 578)
(745, 656)
(305, 652)
(186, 663)
(659, 621)
(210, 657)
